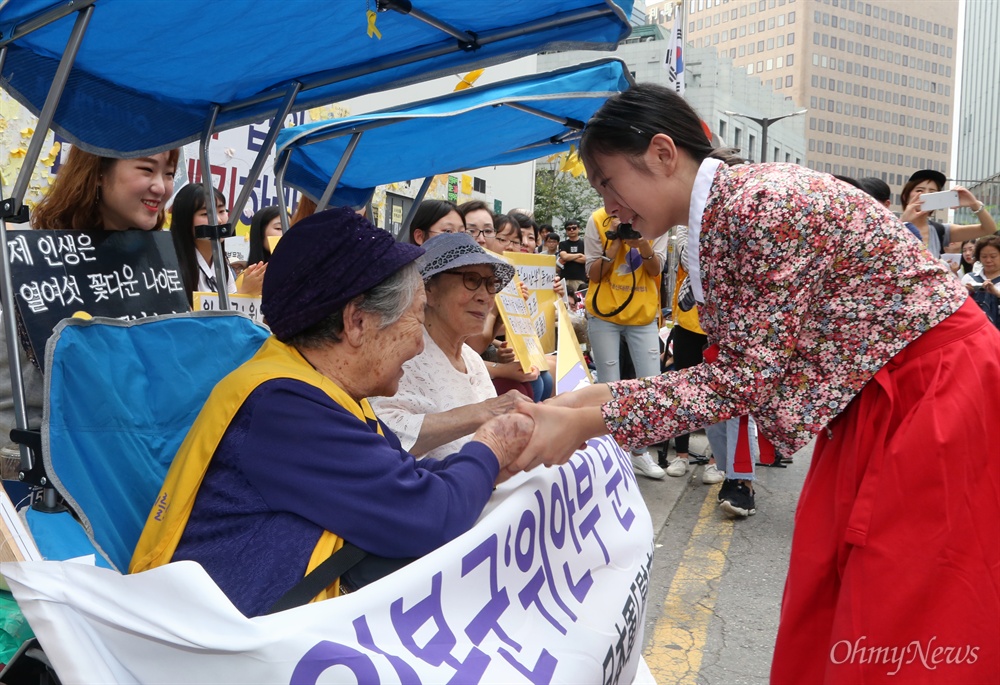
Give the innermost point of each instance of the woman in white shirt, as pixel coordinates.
(446, 392)
(195, 254)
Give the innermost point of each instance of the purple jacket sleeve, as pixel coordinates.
(307, 455)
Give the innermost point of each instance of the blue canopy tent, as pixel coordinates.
(136, 90)
(149, 75)
(147, 85)
(526, 118)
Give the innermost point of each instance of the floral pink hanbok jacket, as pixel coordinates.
(809, 287)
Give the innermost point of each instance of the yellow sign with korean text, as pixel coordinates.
(538, 273)
(518, 317)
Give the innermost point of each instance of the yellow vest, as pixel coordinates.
(689, 319)
(615, 287)
(168, 519)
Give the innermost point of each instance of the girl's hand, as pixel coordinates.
(913, 213)
(559, 287)
(253, 279)
(505, 353)
(966, 198)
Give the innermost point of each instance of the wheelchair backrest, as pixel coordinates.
(119, 399)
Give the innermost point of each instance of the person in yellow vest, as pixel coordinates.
(287, 460)
(623, 300)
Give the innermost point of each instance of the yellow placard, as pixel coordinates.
(516, 312)
(571, 367)
(397, 214)
(538, 272)
(272, 242)
(466, 184)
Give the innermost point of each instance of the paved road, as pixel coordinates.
(716, 585)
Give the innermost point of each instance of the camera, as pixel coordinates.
(623, 232)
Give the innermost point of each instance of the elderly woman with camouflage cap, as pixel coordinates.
(446, 392)
(287, 460)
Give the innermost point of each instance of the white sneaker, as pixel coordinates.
(677, 468)
(644, 465)
(712, 476)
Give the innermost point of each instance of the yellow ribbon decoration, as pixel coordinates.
(372, 31)
(469, 79)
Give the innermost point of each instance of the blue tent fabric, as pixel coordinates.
(132, 91)
(119, 400)
(468, 129)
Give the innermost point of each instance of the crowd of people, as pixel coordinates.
(802, 309)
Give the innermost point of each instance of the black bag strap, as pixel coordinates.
(321, 577)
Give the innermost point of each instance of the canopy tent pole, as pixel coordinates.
(280, 164)
(565, 121)
(258, 163)
(352, 145)
(466, 40)
(219, 262)
(45, 18)
(417, 199)
(13, 208)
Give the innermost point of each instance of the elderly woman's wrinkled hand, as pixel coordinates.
(507, 436)
(502, 404)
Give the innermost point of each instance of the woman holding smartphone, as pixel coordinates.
(936, 236)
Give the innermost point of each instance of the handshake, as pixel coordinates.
(549, 433)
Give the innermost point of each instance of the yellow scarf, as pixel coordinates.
(169, 516)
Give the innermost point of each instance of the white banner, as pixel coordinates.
(550, 586)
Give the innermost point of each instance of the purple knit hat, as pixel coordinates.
(324, 262)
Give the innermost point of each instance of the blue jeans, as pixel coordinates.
(643, 345)
(605, 342)
(722, 437)
(541, 387)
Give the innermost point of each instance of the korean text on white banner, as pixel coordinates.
(550, 586)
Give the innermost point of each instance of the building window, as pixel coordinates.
(788, 81)
(722, 130)
(752, 146)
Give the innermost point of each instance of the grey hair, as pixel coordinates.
(389, 299)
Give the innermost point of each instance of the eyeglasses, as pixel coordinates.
(471, 280)
(572, 228)
(475, 233)
(509, 241)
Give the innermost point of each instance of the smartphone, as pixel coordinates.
(942, 200)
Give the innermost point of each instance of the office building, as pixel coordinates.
(978, 151)
(713, 87)
(877, 77)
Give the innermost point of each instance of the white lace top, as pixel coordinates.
(431, 385)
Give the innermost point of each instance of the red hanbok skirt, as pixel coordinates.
(895, 560)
